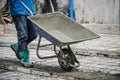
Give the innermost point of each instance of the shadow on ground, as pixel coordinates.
(47, 70)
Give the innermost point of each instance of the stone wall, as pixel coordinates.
(89, 11)
(97, 11)
(94, 11)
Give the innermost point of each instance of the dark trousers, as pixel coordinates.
(47, 8)
(26, 31)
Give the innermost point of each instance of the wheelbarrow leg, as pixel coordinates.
(38, 47)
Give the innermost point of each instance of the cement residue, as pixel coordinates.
(3, 71)
(54, 72)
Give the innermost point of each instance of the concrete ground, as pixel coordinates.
(91, 67)
(99, 60)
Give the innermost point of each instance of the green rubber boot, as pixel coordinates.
(25, 59)
(15, 48)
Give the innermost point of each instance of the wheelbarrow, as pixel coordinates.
(61, 31)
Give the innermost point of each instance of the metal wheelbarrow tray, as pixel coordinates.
(61, 31)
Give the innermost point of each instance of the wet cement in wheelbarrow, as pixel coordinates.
(61, 30)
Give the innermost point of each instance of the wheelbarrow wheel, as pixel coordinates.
(65, 59)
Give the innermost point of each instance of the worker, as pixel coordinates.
(50, 6)
(26, 30)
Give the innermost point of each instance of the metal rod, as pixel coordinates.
(46, 45)
(38, 46)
